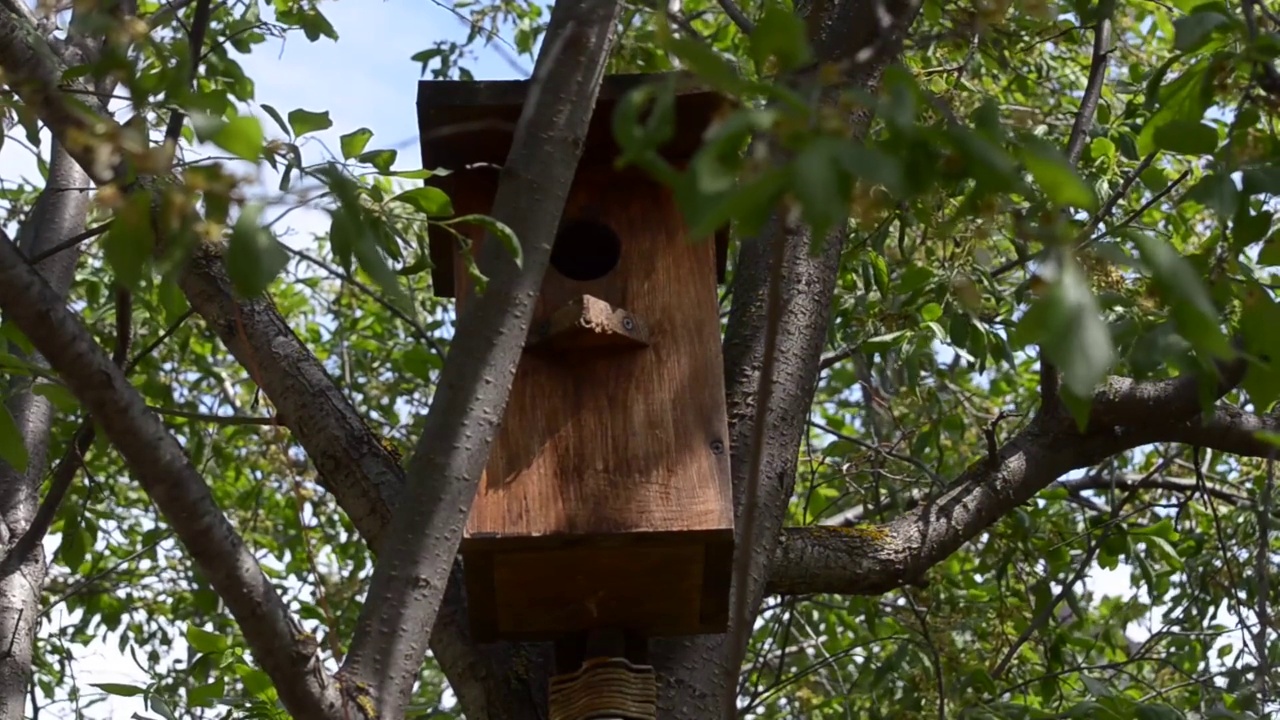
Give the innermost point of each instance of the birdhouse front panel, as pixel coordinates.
(608, 439)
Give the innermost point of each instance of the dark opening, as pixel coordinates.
(586, 250)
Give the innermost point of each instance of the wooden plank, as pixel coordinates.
(620, 443)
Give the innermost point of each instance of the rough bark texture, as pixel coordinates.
(59, 213)
(409, 580)
(158, 462)
(693, 671)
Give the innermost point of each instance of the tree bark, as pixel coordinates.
(59, 213)
(158, 462)
(409, 579)
(864, 36)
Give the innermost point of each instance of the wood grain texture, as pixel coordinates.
(607, 500)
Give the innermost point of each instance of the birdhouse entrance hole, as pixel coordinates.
(586, 250)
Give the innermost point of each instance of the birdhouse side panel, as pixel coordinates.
(620, 441)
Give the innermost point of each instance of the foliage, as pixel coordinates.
(975, 239)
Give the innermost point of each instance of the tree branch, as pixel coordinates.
(409, 579)
(285, 652)
(1049, 381)
(735, 14)
(868, 560)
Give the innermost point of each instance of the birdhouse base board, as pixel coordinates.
(658, 584)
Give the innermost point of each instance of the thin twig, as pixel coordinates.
(346, 277)
(86, 582)
(199, 24)
(738, 17)
(70, 242)
(1263, 571)
(1085, 566)
(939, 679)
(217, 419)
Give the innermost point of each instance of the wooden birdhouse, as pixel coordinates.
(606, 501)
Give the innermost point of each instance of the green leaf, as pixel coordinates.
(1165, 550)
(1217, 192)
(160, 705)
(431, 201)
(172, 300)
(75, 543)
(1261, 181)
(820, 186)
(1057, 178)
(779, 34)
(58, 394)
(305, 121)
(420, 362)
(1186, 98)
(1259, 318)
(1270, 253)
(1102, 148)
(254, 257)
(381, 160)
(207, 695)
(204, 641)
(497, 229)
(1069, 325)
(241, 136)
(931, 312)
(1191, 31)
(710, 66)
(275, 115)
(1194, 313)
(1186, 137)
(130, 243)
(353, 143)
(12, 448)
(120, 689)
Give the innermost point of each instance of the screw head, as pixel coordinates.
(628, 323)
(717, 447)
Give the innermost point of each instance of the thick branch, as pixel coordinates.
(861, 36)
(409, 579)
(159, 464)
(872, 560)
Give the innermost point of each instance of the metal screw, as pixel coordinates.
(717, 447)
(628, 323)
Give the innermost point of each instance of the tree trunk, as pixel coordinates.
(59, 213)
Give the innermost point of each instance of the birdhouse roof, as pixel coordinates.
(464, 123)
